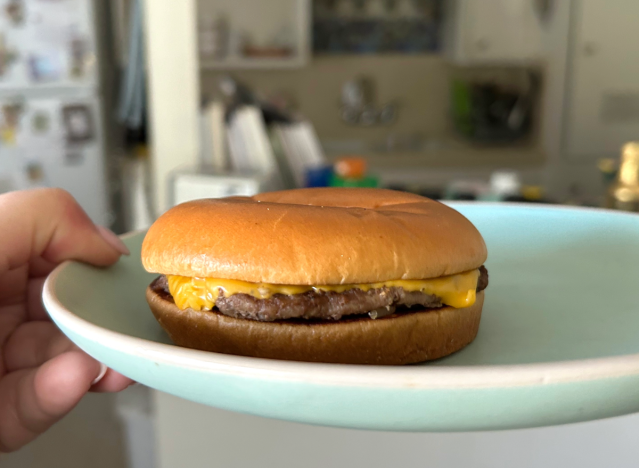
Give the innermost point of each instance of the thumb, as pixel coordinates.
(32, 400)
(49, 225)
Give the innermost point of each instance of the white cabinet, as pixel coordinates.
(492, 32)
(258, 34)
(603, 78)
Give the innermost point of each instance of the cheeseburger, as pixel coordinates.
(354, 276)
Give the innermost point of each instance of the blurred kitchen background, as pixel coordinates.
(136, 105)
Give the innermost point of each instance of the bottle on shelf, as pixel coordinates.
(623, 193)
(213, 37)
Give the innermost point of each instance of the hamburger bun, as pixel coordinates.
(314, 236)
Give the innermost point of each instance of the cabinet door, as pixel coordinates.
(505, 31)
(603, 86)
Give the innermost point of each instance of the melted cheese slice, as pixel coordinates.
(201, 293)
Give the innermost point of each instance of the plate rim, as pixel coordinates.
(378, 377)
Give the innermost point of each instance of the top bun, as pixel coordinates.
(314, 236)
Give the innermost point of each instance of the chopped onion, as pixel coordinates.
(381, 312)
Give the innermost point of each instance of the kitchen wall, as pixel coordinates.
(418, 83)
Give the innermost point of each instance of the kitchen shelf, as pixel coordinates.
(261, 21)
(253, 63)
(453, 160)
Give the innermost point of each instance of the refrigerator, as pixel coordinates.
(51, 125)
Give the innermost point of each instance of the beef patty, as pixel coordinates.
(323, 305)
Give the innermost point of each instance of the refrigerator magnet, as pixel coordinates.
(41, 122)
(78, 123)
(8, 56)
(14, 10)
(9, 122)
(35, 175)
(44, 68)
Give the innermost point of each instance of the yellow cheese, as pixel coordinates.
(201, 293)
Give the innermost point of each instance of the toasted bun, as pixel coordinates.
(314, 236)
(399, 339)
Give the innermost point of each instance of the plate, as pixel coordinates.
(558, 343)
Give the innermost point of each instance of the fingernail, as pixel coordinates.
(113, 240)
(103, 371)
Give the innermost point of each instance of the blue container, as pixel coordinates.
(319, 176)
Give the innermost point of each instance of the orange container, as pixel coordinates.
(350, 167)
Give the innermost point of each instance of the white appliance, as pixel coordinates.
(206, 182)
(51, 131)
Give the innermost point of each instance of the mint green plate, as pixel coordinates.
(559, 340)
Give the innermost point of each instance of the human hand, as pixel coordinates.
(42, 374)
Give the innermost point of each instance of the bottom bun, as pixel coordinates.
(404, 338)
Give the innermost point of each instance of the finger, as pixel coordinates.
(112, 382)
(49, 224)
(33, 400)
(39, 267)
(34, 343)
(13, 286)
(35, 306)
